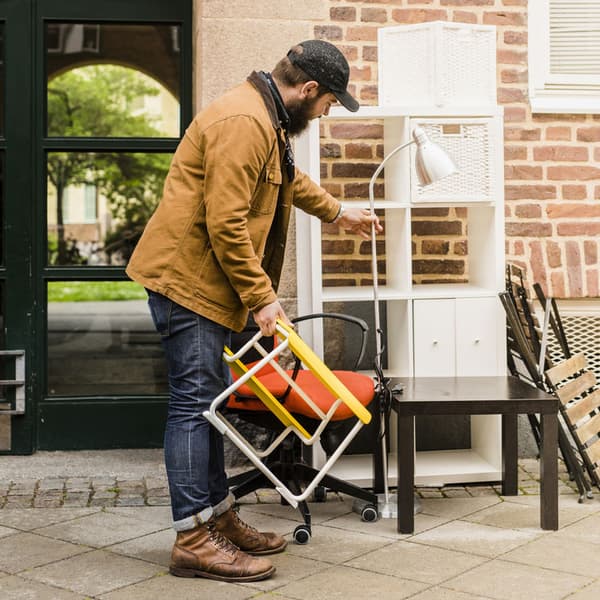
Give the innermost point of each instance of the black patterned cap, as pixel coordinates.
(324, 63)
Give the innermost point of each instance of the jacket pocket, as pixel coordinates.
(267, 191)
(160, 311)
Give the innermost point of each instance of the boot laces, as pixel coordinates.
(219, 540)
(243, 524)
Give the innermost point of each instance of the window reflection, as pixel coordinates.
(101, 340)
(99, 203)
(114, 80)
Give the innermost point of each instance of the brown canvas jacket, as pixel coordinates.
(216, 242)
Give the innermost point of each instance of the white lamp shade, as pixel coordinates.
(431, 162)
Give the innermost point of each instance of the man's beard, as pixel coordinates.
(299, 113)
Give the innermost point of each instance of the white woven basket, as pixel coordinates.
(472, 144)
(437, 64)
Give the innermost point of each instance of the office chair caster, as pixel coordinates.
(320, 494)
(302, 534)
(369, 513)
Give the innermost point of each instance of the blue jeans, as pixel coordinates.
(194, 454)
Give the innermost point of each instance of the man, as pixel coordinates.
(211, 253)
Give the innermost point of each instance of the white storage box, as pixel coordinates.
(473, 144)
(437, 64)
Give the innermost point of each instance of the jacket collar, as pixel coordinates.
(260, 83)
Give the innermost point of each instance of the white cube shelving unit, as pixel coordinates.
(442, 329)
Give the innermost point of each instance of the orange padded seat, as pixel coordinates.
(361, 386)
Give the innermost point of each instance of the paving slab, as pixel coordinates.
(561, 554)
(442, 593)
(417, 562)
(340, 583)
(166, 587)
(28, 519)
(503, 580)
(16, 588)
(586, 530)
(94, 573)
(154, 547)
(588, 592)
(456, 508)
(100, 529)
(26, 550)
(473, 538)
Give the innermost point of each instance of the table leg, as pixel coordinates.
(406, 473)
(509, 455)
(549, 472)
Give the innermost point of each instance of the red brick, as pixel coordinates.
(515, 114)
(558, 133)
(521, 134)
(528, 211)
(573, 256)
(515, 153)
(342, 13)
(328, 32)
(590, 251)
(369, 53)
(431, 212)
(558, 285)
(574, 192)
(373, 15)
(556, 153)
(435, 247)
(335, 189)
(597, 154)
(597, 192)
(360, 73)
(356, 131)
(573, 173)
(361, 190)
(353, 265)
(462, 16)
(358, 150)
(588, 134)
(354, 170)
(436, 228)
(461, 212)
(369, 92)
(515, 37)
(536, 260)
(362, 34)
(573, 210)
(508, 95)
(591, 276)
(418, 15)
(511, 57)
(461, 248)
(330, 151)
(554, 254)
(341, 246)
(519, 248)
(529, 229)
(467, 2)
(578, 229)
(437, 267)
(522, 172)
(365, 247)
(530, 192)
(505, 18)
(514, 76)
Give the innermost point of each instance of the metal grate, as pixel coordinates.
(583, 335)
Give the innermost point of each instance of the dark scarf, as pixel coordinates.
(284, 121)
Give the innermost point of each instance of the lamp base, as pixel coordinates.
(389, 509)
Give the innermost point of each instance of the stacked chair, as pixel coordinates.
(300, 406)
(528, 359)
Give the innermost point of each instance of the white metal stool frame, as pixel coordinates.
(289, 339)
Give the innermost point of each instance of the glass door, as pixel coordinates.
(111, 97)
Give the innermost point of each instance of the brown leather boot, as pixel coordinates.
(247, 538)
(204, 552)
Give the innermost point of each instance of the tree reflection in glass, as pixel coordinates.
(98, 203)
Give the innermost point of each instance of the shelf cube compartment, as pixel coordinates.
(473, 144)
(437, 64)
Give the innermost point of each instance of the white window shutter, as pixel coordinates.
(565, 55)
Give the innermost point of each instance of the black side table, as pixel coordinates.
(506, 396)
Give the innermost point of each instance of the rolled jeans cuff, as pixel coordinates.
(224, 505)
(194, 521)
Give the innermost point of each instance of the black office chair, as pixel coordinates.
(293, 465)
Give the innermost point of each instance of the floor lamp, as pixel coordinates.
(431, 164)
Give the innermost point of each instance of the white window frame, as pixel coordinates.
(551, 92)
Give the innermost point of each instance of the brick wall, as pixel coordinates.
(552, 162)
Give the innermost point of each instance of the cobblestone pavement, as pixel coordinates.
(54, 492)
